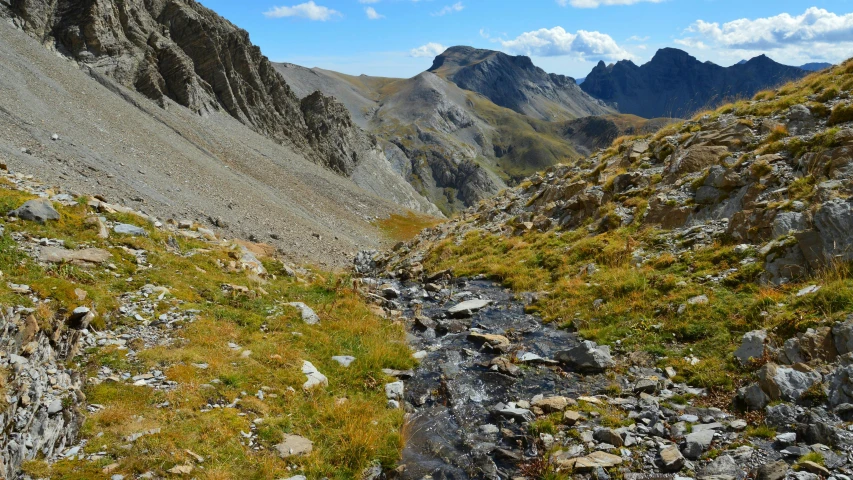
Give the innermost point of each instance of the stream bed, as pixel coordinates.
(468, 403)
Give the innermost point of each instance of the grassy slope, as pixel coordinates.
(348, 436)
(641, 304)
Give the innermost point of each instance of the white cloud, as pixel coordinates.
(816, 33)
(429, 50)
(598, 3)
(372, 14)
(456, 7)
(309, 10)
(557, 41)
(637, 38)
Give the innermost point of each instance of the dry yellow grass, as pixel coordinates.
(348, 421)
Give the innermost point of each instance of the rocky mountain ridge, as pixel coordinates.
(516, 83)
(181, 51)
(675, 84)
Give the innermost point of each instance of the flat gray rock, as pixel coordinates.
(294, 446)
(467, 308)
(344, 360)
(128, 229)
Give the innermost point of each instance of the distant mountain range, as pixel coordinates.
(474, 123)
(809, 67)
(479, 120)
(675, 84)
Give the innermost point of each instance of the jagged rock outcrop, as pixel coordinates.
(180, 51)
(675, 84)
(516, 83)
(41, 412)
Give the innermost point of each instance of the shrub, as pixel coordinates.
(841, 114)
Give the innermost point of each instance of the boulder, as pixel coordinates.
(588, 357)
(706, 195)
(752, 346)
(695, 159)
(671, 459)
(722, 468)
(840, 385)
(519, 414)
(609, 436)
(783, 383)
(786, 223)
(552, 404)
(833, 229)
(752, 397)
(590, 462)
(697, 443)
(842, 335)
(38, 210)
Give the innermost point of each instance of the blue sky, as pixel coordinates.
(399, 38)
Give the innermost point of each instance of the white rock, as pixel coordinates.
(315, 378)
(308, 315)
(344, 360)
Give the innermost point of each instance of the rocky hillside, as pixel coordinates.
(455, 146)
(516, 83)
(181, 51)
(138, 347)
(675, 84)
(710, 260)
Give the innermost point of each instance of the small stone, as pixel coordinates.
(698, 300)
(570, 417)
(181, 470)
(815, 468)
(344, 360)
(308, 315)
(808, 290)
(394, 390)
(467, 308)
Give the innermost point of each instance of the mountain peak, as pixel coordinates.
(669, 54)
